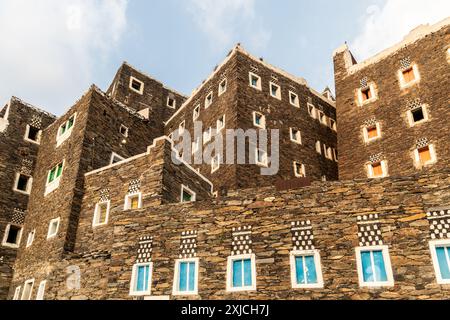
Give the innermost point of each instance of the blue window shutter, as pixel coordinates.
(367, 267)
(237, 273)
(141, 279)
(311, 273)
(183, 276)
(443, 264)
(192, 276)
(300, 272)
(380, 268)
(247, 272)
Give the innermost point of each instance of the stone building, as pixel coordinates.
(393, 107)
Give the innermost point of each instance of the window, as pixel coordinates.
(323, 118)
(440, 253)
(141, 279)
(328, 152)
(65, 130)
(186, 277)
(196, 113)
(275, 91)
(32, 134)
(220, 123)
(136, 85)
(296, 135)
(293, 99)
(41, 290)
(378, 169)
(13, 234)
(425, 156)
(261, 158)
(306, 270)
(241, 273)
(367, 95)
(187, 195)
(207, 135)
(259, 120)
(372, 133)
(123, 131)
(133, 201)
(23, 183)
(318, 147)
(255, 81)
(299, 170)
(101, 213)
(171, 103)
(30, 238)
(181, 127)
(374, 267)
(409, 76)
(333, 125)
(222, 87)
(53, 178)
(53, 228)
(27, 290)
(215, 163)
(417, 116)
(312, 111)
(115, 158)
(17, 293)
(208, 100)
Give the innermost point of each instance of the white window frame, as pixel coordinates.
(297, 139)
(437, 270)
(335, 155)
(230, 261)
(97, 213)
(135, 293)
(115, 156)
(302, 253)
(17, 293)
(5, 236)
(174, 106)
(52, 186)
(278, 92)
(433, 160)
(176, 290)
(208, 102)
(215, 163)
(41, 290)
(220, 127)
(323, 119)
(188, 190)
(258, 83)
(141, 90)
(264, 163)
(30, 281)
(303, 169)
(53, 235)
(374, 98)
(296, 100)
(366, 133)
(222, 89)
(410, 116)
(384, 167)
(29, 184)
(319, 147)
(401, 77)
(127, 204)
(333, 125)
(312, 111)
(328, 152)
(196, 114)
(126, 130)
(60, 139)
(263, 120)
(387, 264)
(30, 238)
(27, 132)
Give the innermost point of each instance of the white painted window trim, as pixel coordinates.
(296, 139)
(5, 237)
(384, 167)
(297, 101)
(141, 90)
(196, 114)
(387, 263)
(97, 213)
(127, 204)
(41, 290)
(335, 155)
(188, 190)
(60, 139)
(115, 156)
(29, 184)
(133, 292)
(411, 117)
(208, 102)
(30, 281)
(27, 132)
(30, 238)
(312, 110)
(126, 130)
(301, 174)
(366, 133)
(294, 254)
(401, 77)
(265, 162)
(319, 147)
(52, 186)
(222, 89)
(258, 83)
(231, 259)
(263, 120)
(17, 293)
(328, 152)
(374, 98)
(176, 290)
(323, 119)
(278, 92)
(53, 235)
(333, 125)
(437, 270)
(215, 163)
(221, 127)
(417, 162)
(174, 106)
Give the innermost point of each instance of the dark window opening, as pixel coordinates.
(33, 133)
(13, 235)
(418, 115)
(22, 183)
(136, 85)
(366, 94)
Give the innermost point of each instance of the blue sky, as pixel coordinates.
(53, 50)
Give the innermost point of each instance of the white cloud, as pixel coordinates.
(386, 25)
(230, 21)
(49, 47)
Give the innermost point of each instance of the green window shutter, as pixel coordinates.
(51, 176)
(60, 168)
(70, 123)
(62, 130)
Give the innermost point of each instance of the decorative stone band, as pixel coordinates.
(36, 122)
(223, 76)
(145, 250)
(134, 187)
(422, 143)
(414, 104)
(405, 63)
(105, 195)
(188, 247)
(242, 240)
(302, 235)
(369, 231)
(26, 167)
(370, 122)
(376, 158)
(18, 217)
(364, 82)
(274, 79)
(439, 223)
(254, 68)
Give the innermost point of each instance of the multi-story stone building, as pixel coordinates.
(393, 107)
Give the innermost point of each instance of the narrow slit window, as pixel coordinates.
(215, 163)
(221, 123)
(208, 100)
(222, 87)
(312, 111)
(196, 113)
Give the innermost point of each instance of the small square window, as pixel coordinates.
(275, 91)
(30, 238)
(222, 87)
(133, 201)
(171, 103)
(374, 267)
(312, 111)
(23, 183)
(417, 116)
(186, 277)
(296, 136)
(306, 270)
(215, 163)
(299, 170)
(367, 95)
(255, 81)
(261, 158)
(141, 279)
(196, 113)
(425, 156)
(293, 99)
(187, 195)
(13, 234)
(123, 131)
(53, 228)
(241, 273)
(41, 290)
(33, 134)
(372, 132)
(440, 253)
(259, 120)
(27, 289)
(101, 213)
(221, 123)
(136, 85)
(378, 170)
(409, 76)
(208, 100)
